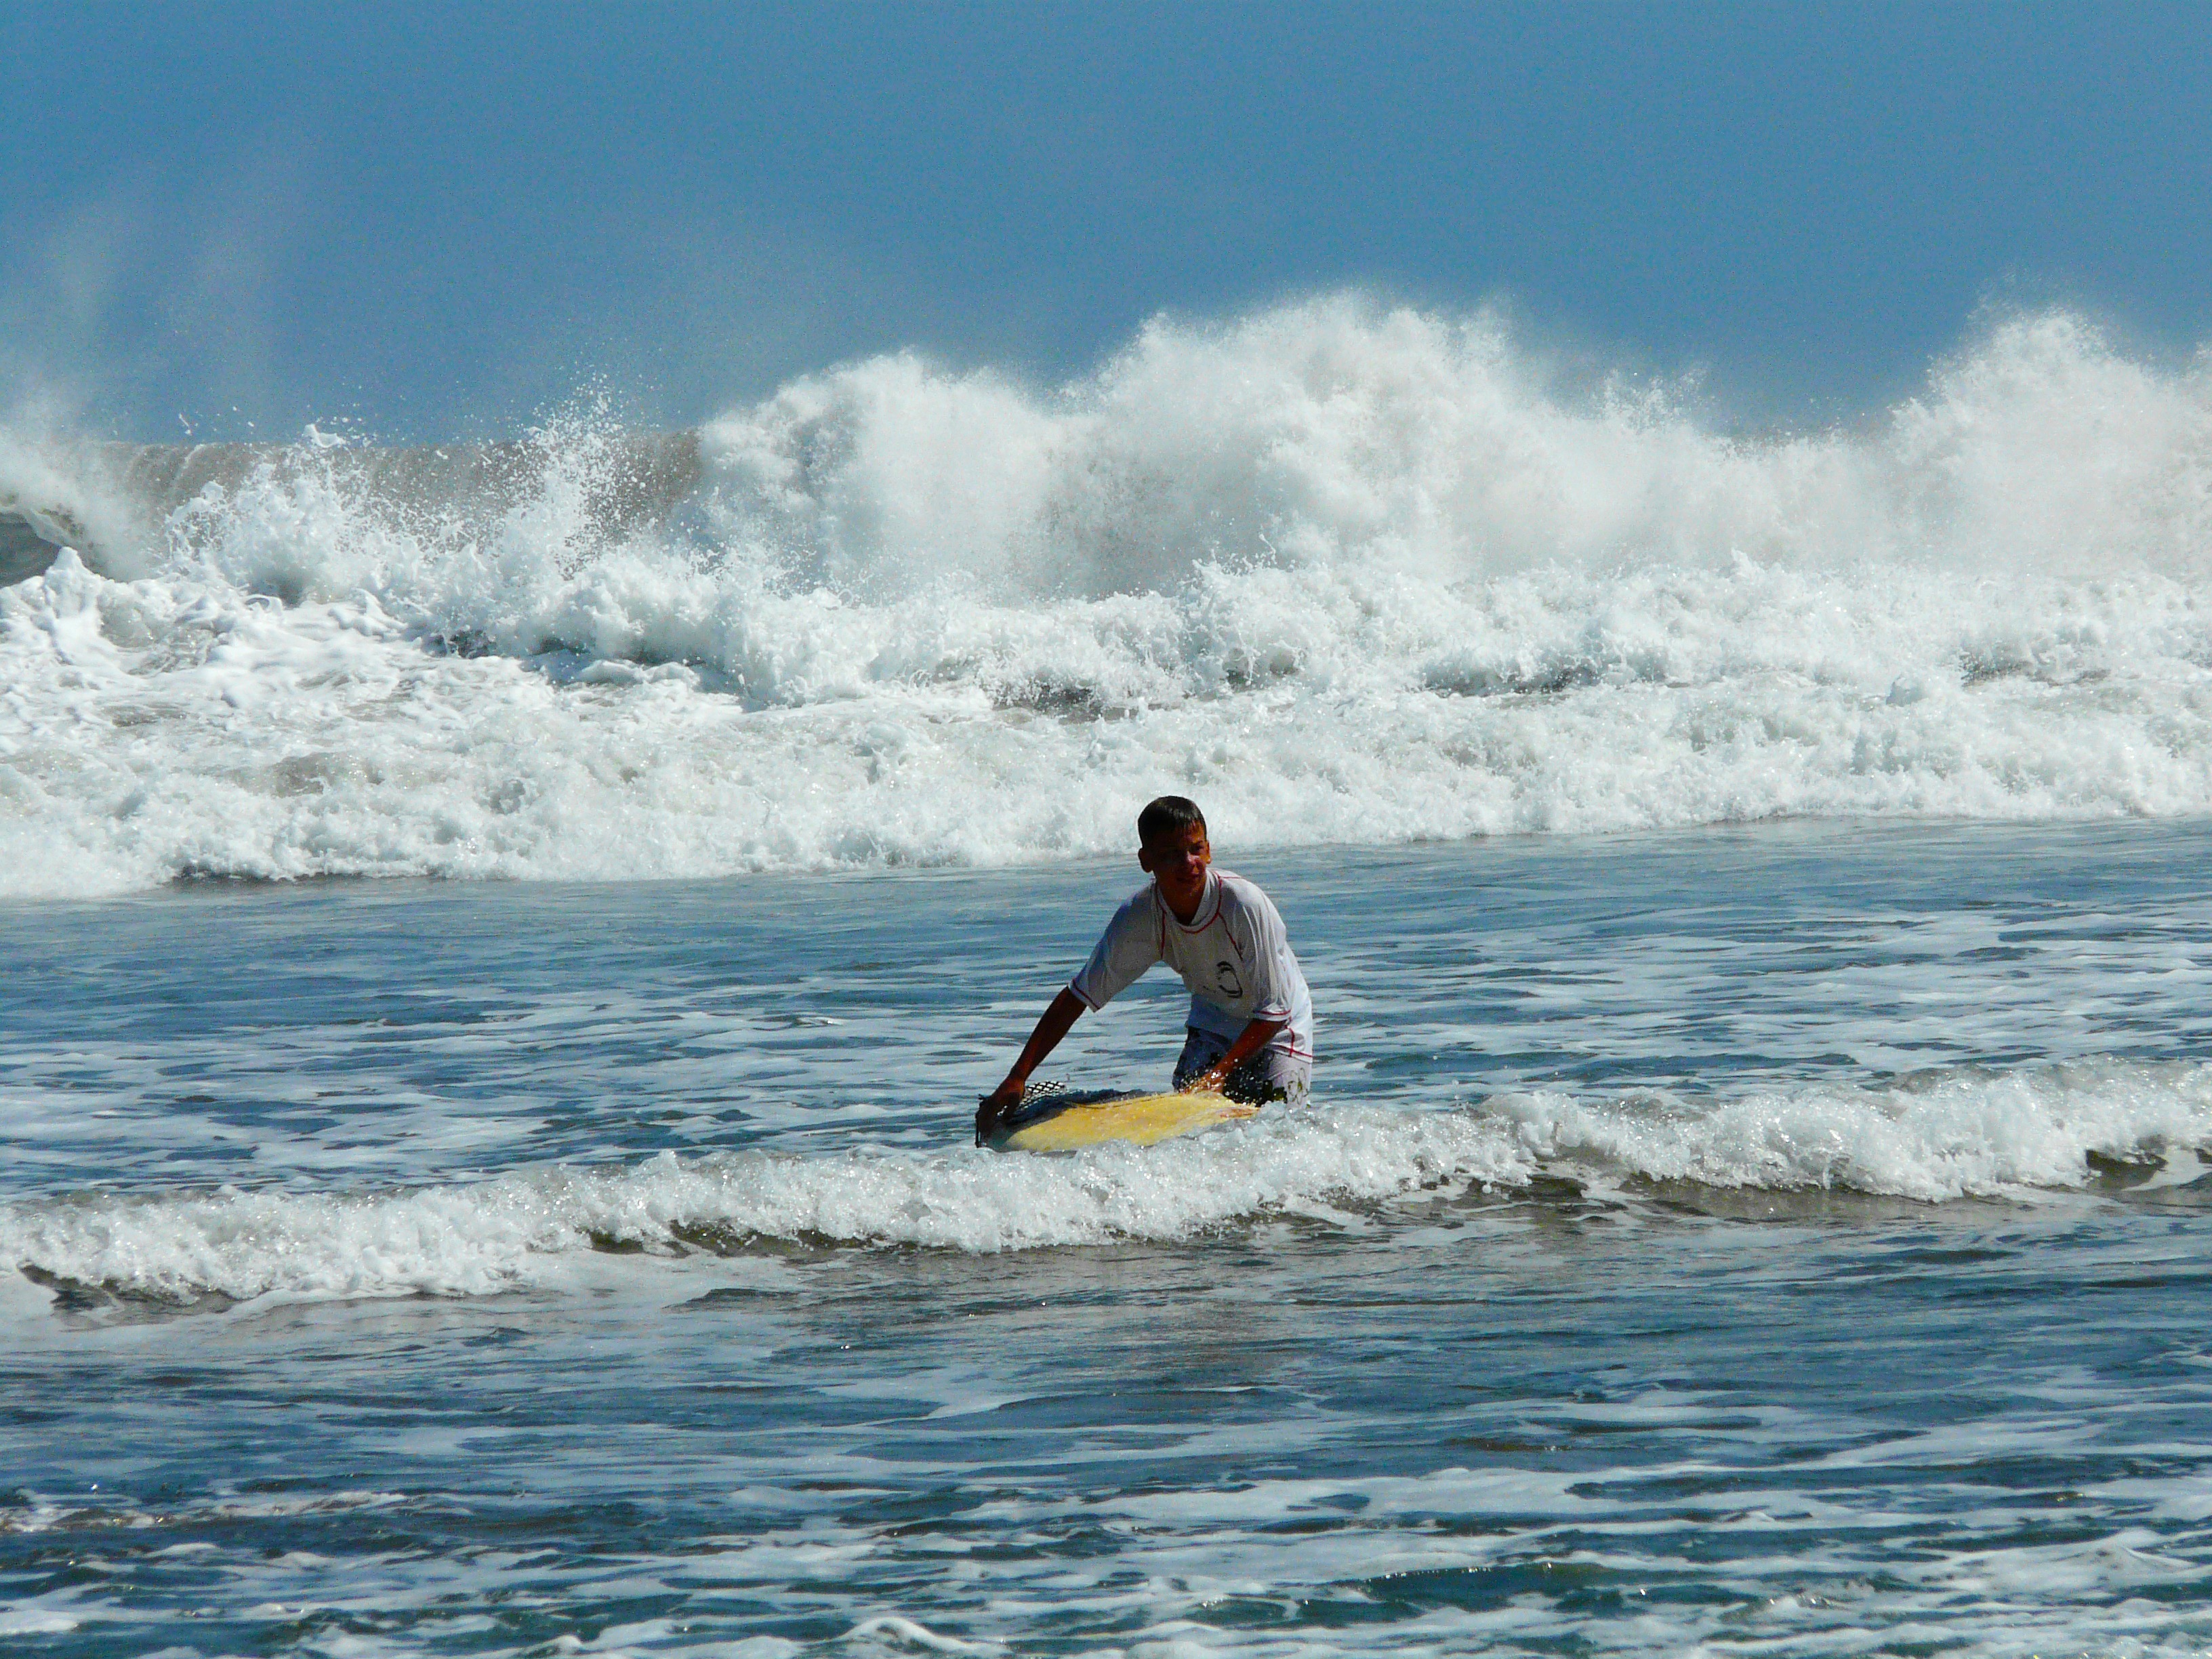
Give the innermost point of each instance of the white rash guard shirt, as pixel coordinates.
(1233, 955)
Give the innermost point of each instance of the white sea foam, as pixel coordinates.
(1344, 574)
(1951, 1135)
(1965, 1134)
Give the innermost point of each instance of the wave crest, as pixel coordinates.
(1953, 1136)
(1345, 572)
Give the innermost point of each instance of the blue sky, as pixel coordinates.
(430, 220)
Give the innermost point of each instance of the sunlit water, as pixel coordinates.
(1779, 1241)
(1349, 575)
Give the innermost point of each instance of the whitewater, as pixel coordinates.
(1351, 574)
(1788, 1237)
(504, 940)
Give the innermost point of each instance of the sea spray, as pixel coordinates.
(1346, 574)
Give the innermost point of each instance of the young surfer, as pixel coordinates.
(1250, 1025)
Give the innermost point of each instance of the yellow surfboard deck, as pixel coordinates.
(1065, 1124)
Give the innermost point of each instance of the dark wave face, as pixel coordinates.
(108, 500)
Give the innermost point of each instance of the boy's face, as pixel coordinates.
(1178, 863)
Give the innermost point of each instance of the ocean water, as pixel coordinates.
(1784, 1240)
(1347, 575)
(503, 942)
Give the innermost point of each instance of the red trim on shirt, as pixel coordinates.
(1213, 891)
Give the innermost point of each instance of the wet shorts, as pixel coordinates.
(1270, 1074)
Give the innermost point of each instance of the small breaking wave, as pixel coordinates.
(1958, 1135)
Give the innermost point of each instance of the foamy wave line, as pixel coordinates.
(1343, 573)
(1964, 1134)
(498, 1234)
(1955, 1134)
(160, 729)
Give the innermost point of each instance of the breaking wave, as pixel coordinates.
(1343, 573)
(1960, 1134)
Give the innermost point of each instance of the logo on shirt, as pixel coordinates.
(1224, 975)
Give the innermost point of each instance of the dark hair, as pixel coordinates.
(1168, 816)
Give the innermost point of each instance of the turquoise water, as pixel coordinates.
(1780, 1241)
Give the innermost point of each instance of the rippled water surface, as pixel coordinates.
(1779, 1241)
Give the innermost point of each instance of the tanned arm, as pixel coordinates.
(1052, 1025)
(1253, 1038)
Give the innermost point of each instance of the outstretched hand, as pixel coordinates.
(993, 1108)
(1061, 1012)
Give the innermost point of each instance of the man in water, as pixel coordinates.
(1250, 1026)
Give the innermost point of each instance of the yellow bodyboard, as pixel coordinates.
(1063, 1126)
